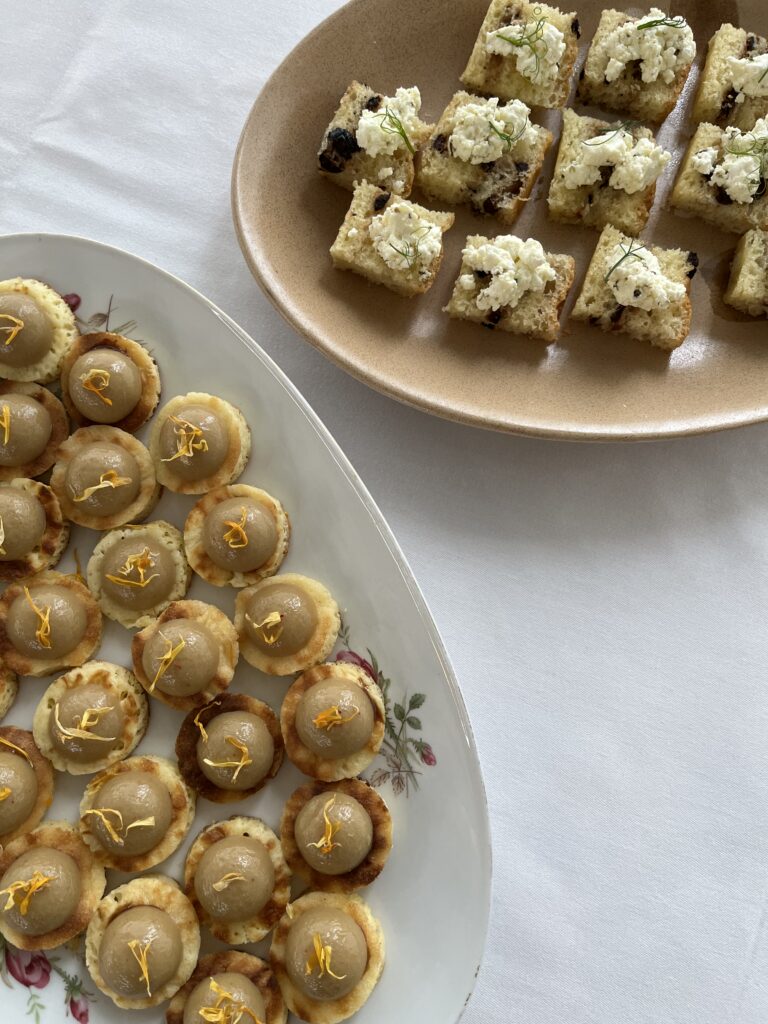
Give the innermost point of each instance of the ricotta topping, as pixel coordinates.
(662, 49)
(381, 131)
(741, 168)
(404, 239)
(636, 163)
(516, 266)
(484, 131)
(537, 46)
(636, 278)
(749, 75)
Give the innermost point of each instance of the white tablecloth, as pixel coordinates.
(605, 607)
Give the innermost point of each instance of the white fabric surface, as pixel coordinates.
(605, 607)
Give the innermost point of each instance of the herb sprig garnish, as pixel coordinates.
(610, 132)
(757, 148)
(677, 22)
(528, 40)
(392, 125)
(631, 252)
(509, 140)
(411, 250)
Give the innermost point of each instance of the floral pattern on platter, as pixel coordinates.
(33, 971)
(400, 749)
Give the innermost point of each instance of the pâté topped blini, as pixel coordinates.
(187, 656)
(33, 423)
(229, 982)
(26, 783)
(374, 138)
(33, 530)
(109, 379)
(90, 717)
(199, 442)
(37, 329)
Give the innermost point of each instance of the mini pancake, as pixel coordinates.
(160, 772)
(26, 507)
(230, 525)
(232, 961)
(33, 350)
(31, 431)
(62, 838)
(104, 478)
(304, 606)
(105, 685)
(370, 866)
(37, 802)
(92, 386)
(255, 927)
(157, 892)
(199, 442)
(209, 643)
(331, 769)
(141, 555)
(72, 615)
(191, 732)
(9, 688)
(316, 1011)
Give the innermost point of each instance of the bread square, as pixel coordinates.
(748, 285)
(694, 193)
(537, 313)
(343, 159)
(416, 257)
(665, 326)
(535, 28)
(497, 186)
(628, 93)
(733, 53)
(598, 203)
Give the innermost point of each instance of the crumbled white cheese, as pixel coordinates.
(378, 130)
(741, 166)
(537, 46)
(749, 75)
(516, 266)
(705, 160)
(636, 163)
(404, 239)
(661, 49)
(385, 173)
(353, 233)
(483, 131)
(637, 279)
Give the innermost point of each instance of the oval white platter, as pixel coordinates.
(433, 895)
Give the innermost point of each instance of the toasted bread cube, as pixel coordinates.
(365, 140)
(582, 143)
(498, 186)
(748, 285)
(664, 325)
(694, 192)
(391, 241)
(537, 311)
(605, 83)
(733, 56)
(532, 69)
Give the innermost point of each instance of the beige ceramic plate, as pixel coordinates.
(587, 386)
